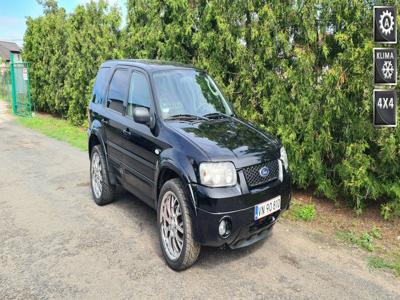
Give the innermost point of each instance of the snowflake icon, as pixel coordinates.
(387, 69)
(386, 22)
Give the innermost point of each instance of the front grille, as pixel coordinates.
(253, 177)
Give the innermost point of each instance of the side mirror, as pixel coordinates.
(141, 115)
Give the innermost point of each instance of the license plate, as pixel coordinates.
(266, 208)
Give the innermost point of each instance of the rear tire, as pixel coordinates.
(102, 191)
(175, 226)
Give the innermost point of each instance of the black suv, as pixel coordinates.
(165, 132)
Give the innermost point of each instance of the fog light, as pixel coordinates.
(224, 228)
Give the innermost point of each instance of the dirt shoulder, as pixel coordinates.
(379, 239)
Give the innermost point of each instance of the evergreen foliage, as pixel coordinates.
(65, 52)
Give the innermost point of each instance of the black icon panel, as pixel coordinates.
(385, 108)
(385, 66)
(385, 24)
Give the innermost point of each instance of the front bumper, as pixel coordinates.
(237, 204)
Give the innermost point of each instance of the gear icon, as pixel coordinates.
(386, 22)
(387, 69)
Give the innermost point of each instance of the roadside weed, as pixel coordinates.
(300, 211)
(376, 233)
(307, 212)
(347, 236)
(365, 240)
(377, 262)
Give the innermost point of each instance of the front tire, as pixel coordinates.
(102, 191)
(174, 219)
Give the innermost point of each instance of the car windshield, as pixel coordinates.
(188, 94)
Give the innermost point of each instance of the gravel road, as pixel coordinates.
(56, 243)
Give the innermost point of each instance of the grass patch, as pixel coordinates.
(377, 262)
(59, 129)
(306, 212)
(300, 211)
(365, 240)
(376, 233)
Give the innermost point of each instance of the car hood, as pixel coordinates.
(229, 139)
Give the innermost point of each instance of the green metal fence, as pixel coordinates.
(15, 87)
(5, 85)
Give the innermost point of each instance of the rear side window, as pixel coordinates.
(100, 85)
(118, 91)
(139, 92)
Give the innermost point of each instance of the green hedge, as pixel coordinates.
(300, 69)
(65, 51)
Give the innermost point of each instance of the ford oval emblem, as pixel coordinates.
(264, 171)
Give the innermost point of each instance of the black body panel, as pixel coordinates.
(138, 155)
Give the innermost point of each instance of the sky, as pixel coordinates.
(14, 12)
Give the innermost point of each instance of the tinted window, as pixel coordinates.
(118, 89)
(100, 85)
(139, 93)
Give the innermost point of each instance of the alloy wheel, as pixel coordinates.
(96, 175)
(172, 232)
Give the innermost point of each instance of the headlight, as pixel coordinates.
(284, 158)
(218, 174)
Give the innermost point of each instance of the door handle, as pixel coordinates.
(126, 132)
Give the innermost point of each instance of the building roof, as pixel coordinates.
(6, 48)
(148, 64)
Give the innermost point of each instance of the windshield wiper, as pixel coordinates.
(216, 115)
(185, 116)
